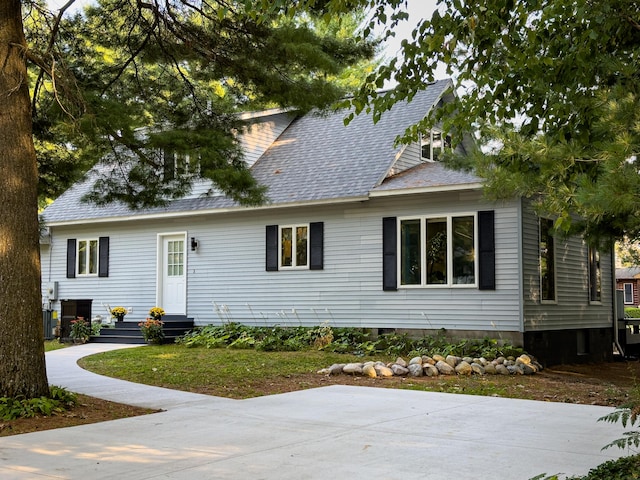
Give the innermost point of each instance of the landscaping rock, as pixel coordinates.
(368, 370)
(430, 370)
(383, 371)
(524, 359)
(452, 360)
(444, 368)
(464, 368)
(353, 368)
(438, 365)
(477, 368)
(428, 359)
(399, 370)
(515, 369)
(490, 369)
(401, 361)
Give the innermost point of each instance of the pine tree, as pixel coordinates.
(132, 84)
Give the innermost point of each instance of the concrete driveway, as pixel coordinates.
(336, 432)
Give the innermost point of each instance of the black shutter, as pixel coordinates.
(71, 258)
(487, 250)
(389, 255)
(316, 243)
(272, 248)
(103, 257)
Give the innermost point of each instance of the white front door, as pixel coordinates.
(173, 289)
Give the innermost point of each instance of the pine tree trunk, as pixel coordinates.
(22, 364)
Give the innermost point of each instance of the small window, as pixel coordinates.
(628, 293)
(437, 251)
(595, 276)
(547, 261)
(294, 246)
(433, 144)
(87, 256)
(178, 165)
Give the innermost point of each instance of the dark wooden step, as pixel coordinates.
(129, 332)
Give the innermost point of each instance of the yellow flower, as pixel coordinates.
(117, 311)
(156, 312)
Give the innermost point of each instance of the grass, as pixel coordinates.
(238, 373)
(50, 345)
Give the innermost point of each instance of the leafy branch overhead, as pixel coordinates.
(130, 82)
(549, 89)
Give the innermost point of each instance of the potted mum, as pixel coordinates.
(152, 331)
(118, 313)
(156, 313)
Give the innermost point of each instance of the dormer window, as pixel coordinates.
(178, 165)
(433, 144)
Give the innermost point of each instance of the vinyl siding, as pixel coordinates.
(572, 309)
(260, 134)
(410, 157)
(227, 280)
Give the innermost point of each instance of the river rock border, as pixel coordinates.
(438, 365)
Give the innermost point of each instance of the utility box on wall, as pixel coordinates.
(70, 310)
(52, 291)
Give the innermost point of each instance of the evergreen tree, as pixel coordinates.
(550, 89)
(136, 84)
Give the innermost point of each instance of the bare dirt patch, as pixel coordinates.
(88, 410)
(606, 384)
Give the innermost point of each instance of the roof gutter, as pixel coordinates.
(433, 189)
(210, 211)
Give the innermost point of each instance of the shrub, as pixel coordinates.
(58, 401)
(339, 340)
(632, 312)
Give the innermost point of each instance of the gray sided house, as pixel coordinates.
(357, 232)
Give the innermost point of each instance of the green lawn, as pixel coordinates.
(218, 371)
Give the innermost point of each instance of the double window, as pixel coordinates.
(437, 251)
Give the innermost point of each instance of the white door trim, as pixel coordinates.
(160, 259)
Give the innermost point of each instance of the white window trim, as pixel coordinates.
(294, 246)
(88, 240)
(184, 160)
(443, 139)
(555, 266)
(589, 267)
(624, 292)
(423, 241)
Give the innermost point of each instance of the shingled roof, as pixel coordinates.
(315, 159)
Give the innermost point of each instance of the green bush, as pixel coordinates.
(339, 340)
(58, 401)
(632, 312)
(625, 468)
